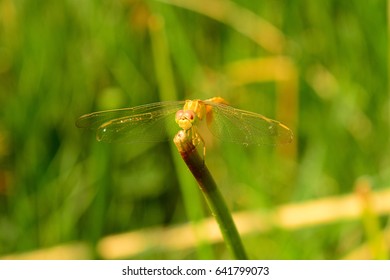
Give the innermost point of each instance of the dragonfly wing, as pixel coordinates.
(147, 127)
(234, 125)
(95, 120)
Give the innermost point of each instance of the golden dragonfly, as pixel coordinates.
(150, 123)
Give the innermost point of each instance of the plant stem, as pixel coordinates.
(211, 193)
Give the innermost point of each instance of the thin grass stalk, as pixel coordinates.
(211, 193)
(165, 77)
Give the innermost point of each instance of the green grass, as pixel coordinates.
(62, 59)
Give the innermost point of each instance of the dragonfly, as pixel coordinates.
(152, 123)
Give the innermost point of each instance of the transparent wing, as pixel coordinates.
(234, 125)
(146, 123)
(96, 119)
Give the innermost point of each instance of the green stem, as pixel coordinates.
(210, 191)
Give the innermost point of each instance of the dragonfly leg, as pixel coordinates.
(196, 140)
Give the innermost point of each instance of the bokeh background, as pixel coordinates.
(320, 67)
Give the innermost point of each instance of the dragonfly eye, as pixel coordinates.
(179, 114)
(190, 115)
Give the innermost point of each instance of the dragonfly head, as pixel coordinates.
(185, 119)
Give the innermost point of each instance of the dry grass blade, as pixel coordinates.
(244, 21)
(183, 237)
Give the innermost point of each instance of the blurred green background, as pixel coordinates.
(62, 59)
